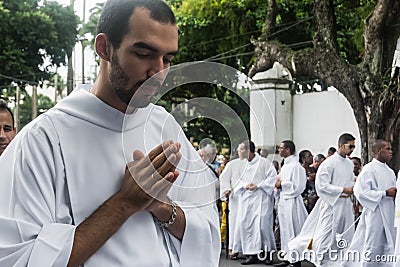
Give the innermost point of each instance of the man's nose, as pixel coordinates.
(2, 133)
(157, 65)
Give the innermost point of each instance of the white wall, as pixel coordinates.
(320, 118)
(314, 121)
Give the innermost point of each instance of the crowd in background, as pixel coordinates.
(284, 219)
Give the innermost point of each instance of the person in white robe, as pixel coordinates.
(228, 181)
(397, 222)
(70, 194)
(375, 189)
(292, 212)
(254, 221)
(329, 228)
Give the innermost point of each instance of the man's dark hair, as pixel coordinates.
(249, 145)
(289, 144)
(357, 159)
(4, 107)
(302, 154)
(345, 138)
(332, 150)
(114, 19)
(319, 157)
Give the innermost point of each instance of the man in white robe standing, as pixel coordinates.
(229, 179)
(76, 188)
(292, 212)
(375, 189)
(255, 189)
(333, 212)
(397, 221)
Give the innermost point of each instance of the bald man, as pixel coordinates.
(375, 189)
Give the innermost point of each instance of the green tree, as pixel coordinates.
(217, 31)
(44, 104)
(35, 39)
(352, 48)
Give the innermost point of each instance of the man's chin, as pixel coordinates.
(140, 102)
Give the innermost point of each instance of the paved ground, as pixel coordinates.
(224, 262)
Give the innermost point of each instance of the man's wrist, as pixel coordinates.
(164, 211)
(171, 219)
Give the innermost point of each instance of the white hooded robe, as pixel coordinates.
(61, 167)
(375, 234)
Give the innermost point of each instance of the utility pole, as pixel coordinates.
(83, 43)
(17, 108)
(70, 75)
(55, 87)
(34, 102)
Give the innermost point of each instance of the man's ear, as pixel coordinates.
(102, 46)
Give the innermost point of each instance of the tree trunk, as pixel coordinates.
(375, 100)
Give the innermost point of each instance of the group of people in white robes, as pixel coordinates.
(248, 182)
(327, 236)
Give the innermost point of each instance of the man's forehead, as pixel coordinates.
(5, 117)
(143, 29)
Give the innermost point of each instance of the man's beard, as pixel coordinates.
(120, 83)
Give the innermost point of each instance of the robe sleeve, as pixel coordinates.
(225, 180)
(365, 190)
(295, 185)
(194, 192)
(323, 184)
(35, 222)
(268, 184)
(397, 203)
(201, 244)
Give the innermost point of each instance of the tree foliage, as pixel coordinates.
(217, 31)
(35, 38)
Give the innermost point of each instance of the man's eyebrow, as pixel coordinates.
(144, 45)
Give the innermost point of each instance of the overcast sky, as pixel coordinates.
(89, 59)
(78, 6)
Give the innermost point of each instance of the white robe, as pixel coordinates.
(397, 220)
(375, 234)
(60, 168)
(331, 215)
(254, 223)
(291, 210)
(228, 180)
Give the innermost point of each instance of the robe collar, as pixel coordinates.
(254, 160)
(86, 106)
(378, 162)
(289, 159)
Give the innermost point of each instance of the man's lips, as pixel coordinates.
(3, 146)
(149, 87)
(147, 90)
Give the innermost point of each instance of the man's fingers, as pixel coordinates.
(137, 155)
(159, 149)
(170, 164)
(161, 159)
(161, 188)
